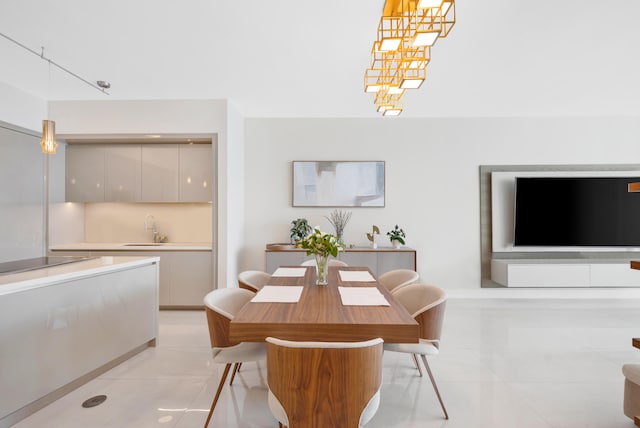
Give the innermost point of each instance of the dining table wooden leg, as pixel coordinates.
(636, 421)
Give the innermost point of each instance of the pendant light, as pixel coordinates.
(48, 143)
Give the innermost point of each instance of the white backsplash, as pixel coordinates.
(117, 222)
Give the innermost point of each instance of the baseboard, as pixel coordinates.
(545, 293)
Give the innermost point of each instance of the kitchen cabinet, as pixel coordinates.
(159, 173)
(185, 276)
(196, 173)
(122, 173)
(378, 260)
(139, 173)
(84, 173)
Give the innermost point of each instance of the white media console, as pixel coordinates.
(564, 273)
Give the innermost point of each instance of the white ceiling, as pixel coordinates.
(294, 58)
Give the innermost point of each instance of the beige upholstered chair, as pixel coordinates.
(253, 280)
(631, 406)
(398, 278)
(332, 262)
(221, 306)
(324, 384)
(426, 304)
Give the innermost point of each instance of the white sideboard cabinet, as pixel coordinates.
(379, 260)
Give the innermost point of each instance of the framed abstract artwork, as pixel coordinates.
(338, 184)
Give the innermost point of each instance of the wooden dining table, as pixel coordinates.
(319, 314)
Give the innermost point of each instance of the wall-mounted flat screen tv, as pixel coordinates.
(576, 211)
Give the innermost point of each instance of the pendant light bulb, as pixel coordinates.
(48, 142)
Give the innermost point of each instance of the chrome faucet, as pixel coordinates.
(150, 222)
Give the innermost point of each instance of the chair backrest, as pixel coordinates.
(253, 280)
(324, 384)
(332, 262)
(426, 304)
(221, 306)
(395, 279)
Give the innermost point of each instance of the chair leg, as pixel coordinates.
(435, 387)
(236, 367)
(415, 361)
(215, 399)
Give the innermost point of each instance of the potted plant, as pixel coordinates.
(299, 230)
(322, 246)
(396, 236)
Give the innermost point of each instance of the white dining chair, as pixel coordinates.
(221, 305)
(253, 280)
(324, 384)
(426, 304)
(394, 280)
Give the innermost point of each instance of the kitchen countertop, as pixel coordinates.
(22, 281)
(133, 246)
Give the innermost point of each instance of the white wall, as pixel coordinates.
(432, 176)
(235, 208)
(21, 109)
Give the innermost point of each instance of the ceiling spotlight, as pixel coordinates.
(103, 84)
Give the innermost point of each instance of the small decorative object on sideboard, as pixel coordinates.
(339, 220)
(372, 236)
(396, 236)
(322, 246)
(299, 230)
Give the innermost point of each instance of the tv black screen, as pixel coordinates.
(576, 211)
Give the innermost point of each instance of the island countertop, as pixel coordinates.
(22, 281)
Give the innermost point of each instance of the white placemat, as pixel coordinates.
(356, 276)
(362, 296)
(290, 272)
(278, 294)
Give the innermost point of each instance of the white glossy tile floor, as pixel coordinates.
(504, 364)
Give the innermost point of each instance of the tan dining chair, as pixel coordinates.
(394, 280)
(631, 406)
(426, 304)
(332, 262)
(253, 280)
(324, 384)
(221, 305)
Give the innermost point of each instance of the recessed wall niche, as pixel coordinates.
(496, 215)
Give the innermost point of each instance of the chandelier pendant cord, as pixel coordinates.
(51, 62)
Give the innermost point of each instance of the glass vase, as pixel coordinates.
(322, 269)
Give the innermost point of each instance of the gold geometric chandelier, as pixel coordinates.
(402, 50)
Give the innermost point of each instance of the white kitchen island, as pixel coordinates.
(64, 325)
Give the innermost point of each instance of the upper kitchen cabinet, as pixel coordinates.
(159, 173)
(84, 173)
(195, 171)
(139, 172)
(123, 173)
